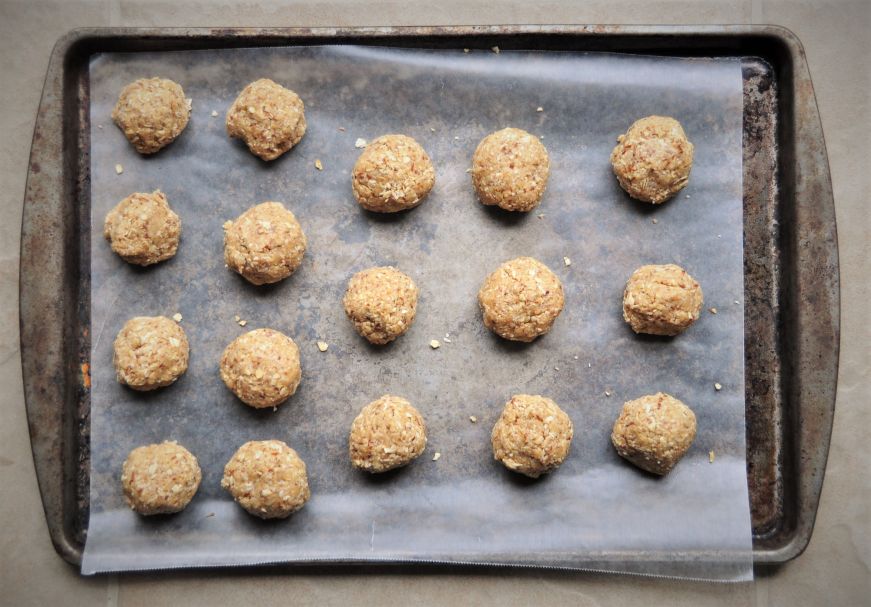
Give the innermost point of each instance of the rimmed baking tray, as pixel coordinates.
(790, 256)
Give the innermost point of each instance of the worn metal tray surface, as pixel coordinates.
(790, 258)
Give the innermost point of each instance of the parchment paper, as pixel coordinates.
(596, 512)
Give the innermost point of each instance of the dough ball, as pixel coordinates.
(654, 432)
(265, 244)
(142, 229)
(262, 368)
(388, 433)
(269, 118)
(267, 478)
(521, 299)
(152, 113)
(532, 436)
(392, 174)
(510, 170)
(652, 161)
(661, 300)
(150, 352)
(381, 302)
(160, 479)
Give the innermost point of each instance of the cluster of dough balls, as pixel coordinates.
(269, 118)
(262, 368)
(381, 302)
(265, 244)
(652, 160)
(150, 352)
(521, 299)
(510, 169)
(654, 432)
(388, 433)
(532, 435)
(661, 300)
(160, 479)
(152, 112)
(267, 478)
(392, 174)
(142, 229)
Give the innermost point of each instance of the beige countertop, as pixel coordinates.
(835, 569)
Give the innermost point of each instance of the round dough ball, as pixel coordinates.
(150, 352)
(652, 161)
(265, 244)
(381, 302)
(160, 479)
(661, 300)
(654, 432)
(269, 118)
(267, 478)
(521, 299)
(388, 433)
(142, 229)
(152, 113)
(532, 436)
(510, 170)
(262, 368)
(392, 174)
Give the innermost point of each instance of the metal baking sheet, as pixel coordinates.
(596, 512)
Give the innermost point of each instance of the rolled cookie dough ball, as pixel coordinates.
(265, 244)
(510, 169)
(381, 302)
(160, 479)
(652, 161)
(269, 118)
(661, 300)
(262, 368)
(654, 432)
(521, 299)
(152, 113)
(142, 229)
(532, 436)
(388, 433)
(150, 352)
(267, 478)
(392, 174)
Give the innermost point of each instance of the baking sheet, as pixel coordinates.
(596, 511)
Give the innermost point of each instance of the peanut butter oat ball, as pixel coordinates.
(269, 118)
(532, 436)
(510, 170)
(381, 302)
(160, 479)
(521, 299)
(150, 352)
(262, 368)
(142, 229)
(267, 478)
(652, 161)
(654, 432)
(392, 174)
(152, 113)
(661, 300)
(265, 244)
(388, 433)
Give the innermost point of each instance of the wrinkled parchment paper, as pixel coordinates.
(596, 512)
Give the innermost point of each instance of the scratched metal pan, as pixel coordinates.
(791, 282)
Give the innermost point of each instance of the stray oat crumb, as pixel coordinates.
(607, 393)
(436, 457)
(214, 113)
(457, 138)
(319, 165)
(237, 318)
(567, 261)
(100, 126)
(432, 129)
(575, 357)
(495, 49)
(176, 317)
(465, 50)
(539, 109)
(447, 340)
(434, 344)
(556, 368)
(541, 215)
(718, 387)
(360, 143)
(210, 515)
(473, 419)
(118, 169)
(341, 129)
(655, 220)
(243, 322)
(688, 196)
(711, 457)
(322, 346)
(712, 310)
